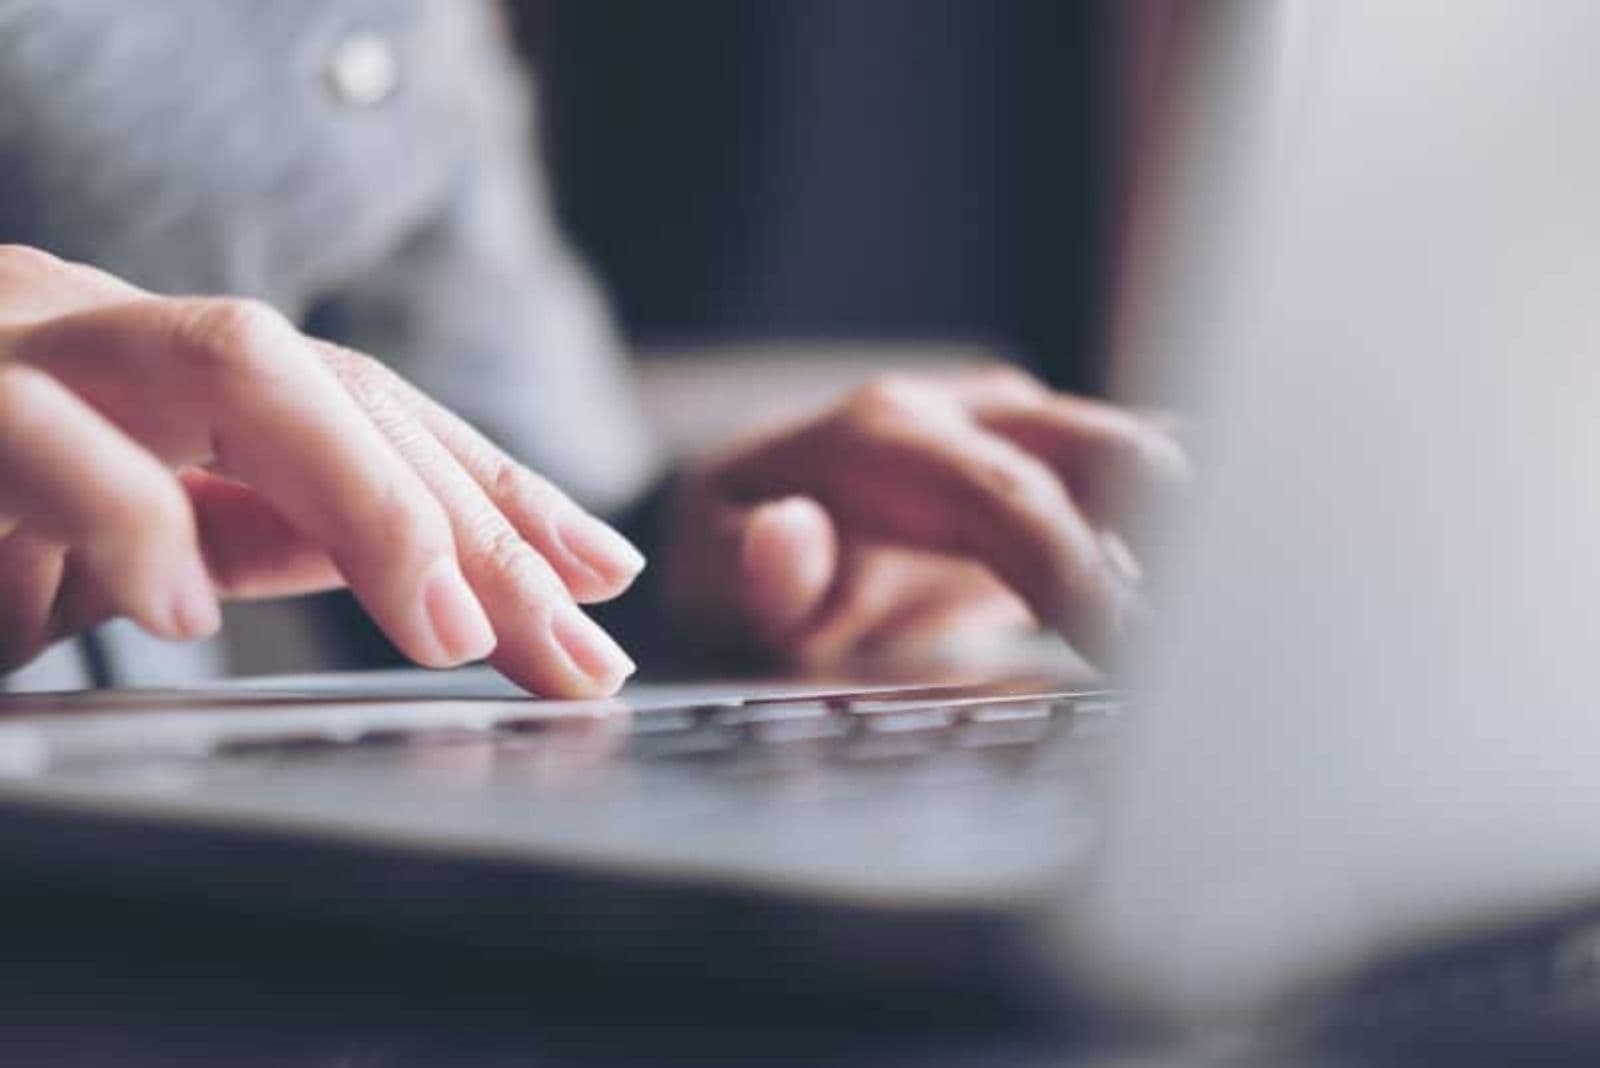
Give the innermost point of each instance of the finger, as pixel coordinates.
(1111, 458)
(74, 478)
(897, 603)
(232, 385)
(1121, 557)
(958, 634)
(48, 287)
(749, 575)
(545, 642)
(948, 613)
(594, 561)
(30, 579)
(896, 465)
(251, 550)
(871, 583)
(787, 554)
(1177, 426)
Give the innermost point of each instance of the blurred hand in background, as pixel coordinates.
(919, 509)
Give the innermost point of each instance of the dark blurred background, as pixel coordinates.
(907, 170)
(932, 175)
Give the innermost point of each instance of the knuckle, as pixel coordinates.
(22, 389)
(514, 486)
(1013, 482)
(364, 377)
(499, 547)
(231, 338)
(26, 259)
(508, 480)
(1009, 381)
(371, 386)
(407, 522)
(504, 554)
(889, 396)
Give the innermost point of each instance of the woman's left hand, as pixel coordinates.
(918, 509)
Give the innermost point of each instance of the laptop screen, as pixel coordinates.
(1366, 711)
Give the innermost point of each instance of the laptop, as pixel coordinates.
(1356, 738)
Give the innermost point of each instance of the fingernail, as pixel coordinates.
(599, 547)
(195, 613)
(460, 628)
(590, 648)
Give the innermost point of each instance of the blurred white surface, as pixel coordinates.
(1369, 713)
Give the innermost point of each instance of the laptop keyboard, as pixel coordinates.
(764, 734)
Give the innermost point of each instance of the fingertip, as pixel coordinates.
(567, 657)
(169, 597)
(788, 558)
(1167, 456)
(1097, 621)
(603, 664)
(457, 627)
(606, 562)
(195, 613)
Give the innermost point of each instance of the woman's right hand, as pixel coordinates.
(159, 453)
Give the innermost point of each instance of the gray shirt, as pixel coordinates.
(364, 165)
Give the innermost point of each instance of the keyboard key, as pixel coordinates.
(788, 712)
(278, 745)
(910, 721)
(419, 736)
(990, 734)
(792, 731)
(1097, 706)
(525, 724)
(707, 740)
(1011, 712)
(664, 721)
(874, 705)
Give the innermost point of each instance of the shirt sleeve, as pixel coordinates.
(487, 308)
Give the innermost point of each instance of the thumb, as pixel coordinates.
(788, 557)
